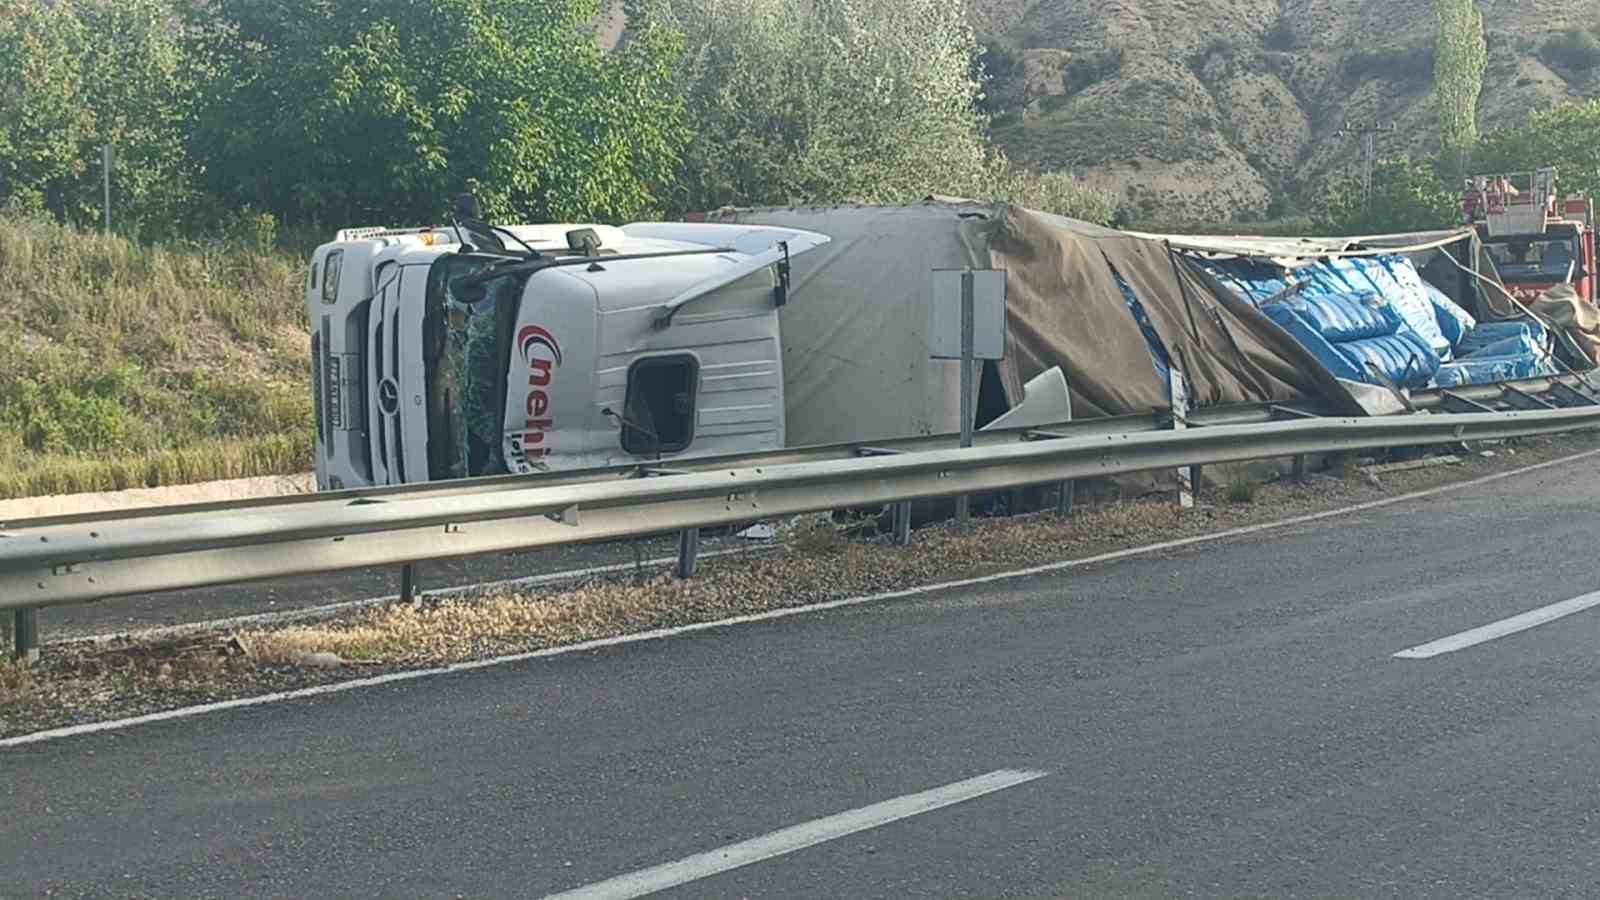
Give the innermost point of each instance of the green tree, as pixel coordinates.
(136, 85)
(336, 111)
(44, 120)
(1562, 136)
(85, 73)
(824, 101)
(1460, 59)
(1407, 195)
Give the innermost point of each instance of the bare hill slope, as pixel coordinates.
(1209, 110)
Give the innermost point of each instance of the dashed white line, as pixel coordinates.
(1484, 633)
(796, 837)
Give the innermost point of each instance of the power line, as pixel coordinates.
(1369, 152)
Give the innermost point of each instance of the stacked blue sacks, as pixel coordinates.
(1353, 334)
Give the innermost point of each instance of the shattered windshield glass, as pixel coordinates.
(468, 348)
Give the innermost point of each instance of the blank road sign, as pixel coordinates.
(988, 314)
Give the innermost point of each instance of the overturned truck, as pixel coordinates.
(441, 353)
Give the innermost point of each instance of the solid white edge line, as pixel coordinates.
(658, 634)
(1485, 633)
(793, 838)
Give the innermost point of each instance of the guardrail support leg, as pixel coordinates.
(902, 524)
(1066, 494)
(25, 634)
(1300, 469)
(688, 552)
(1187, 475)
(408, 583)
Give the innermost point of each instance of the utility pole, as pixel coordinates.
(1369, 153)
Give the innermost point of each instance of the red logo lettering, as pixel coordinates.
(527, 444)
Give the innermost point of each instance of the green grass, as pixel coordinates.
(130, 365)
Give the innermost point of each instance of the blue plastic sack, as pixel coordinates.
(1454, 322)
(1486, 333)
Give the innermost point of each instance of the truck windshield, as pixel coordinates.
(1544, 259)
(466, 351)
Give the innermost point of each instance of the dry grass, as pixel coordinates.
(125, 364)
(16, 683)
(210, 460)
(823, 568)
(1241, 491)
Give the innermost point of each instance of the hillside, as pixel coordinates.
(126, 365)
(1210, 110)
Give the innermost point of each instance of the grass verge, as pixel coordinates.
(127, 365)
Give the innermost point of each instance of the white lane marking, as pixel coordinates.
(660, 633)
(797, 837)
(285, 616)
(1484, 633)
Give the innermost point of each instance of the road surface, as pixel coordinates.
(1230, 720)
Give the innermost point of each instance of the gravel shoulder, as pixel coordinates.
(84, 682)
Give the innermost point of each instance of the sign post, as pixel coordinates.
(105, 171)
(967, 322)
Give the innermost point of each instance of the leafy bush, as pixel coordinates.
(1000, 72)
(381, 112)
(1085, 70)
(1576, 48)
(836, 100)
(1052, 192)
(90, 73)
(1407, 195)
(1412, 64)
(1562, 136)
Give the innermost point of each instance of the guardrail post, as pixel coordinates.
(688, 552)
(408, 583)
(902, 523)
(1066, 494)
(1180, 422)
(25, 634)
(1300, 469)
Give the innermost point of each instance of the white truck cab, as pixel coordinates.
(471, 350)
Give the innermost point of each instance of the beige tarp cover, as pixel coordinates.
(855, 351)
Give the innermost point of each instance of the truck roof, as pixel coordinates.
(727, 254)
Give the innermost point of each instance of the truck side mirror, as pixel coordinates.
(583, 240)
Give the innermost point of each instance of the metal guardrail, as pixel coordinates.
(51, 562)
(1156, 420)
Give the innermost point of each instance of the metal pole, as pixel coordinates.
(902, 523)
(688, 552)
(963, 510)
(1180, 422)
(25, 634)
(1370, 152)
(408, 583)
(1066, 491)
(105, 169)
(1300, 469)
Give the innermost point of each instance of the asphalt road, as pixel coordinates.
(1225, 721)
